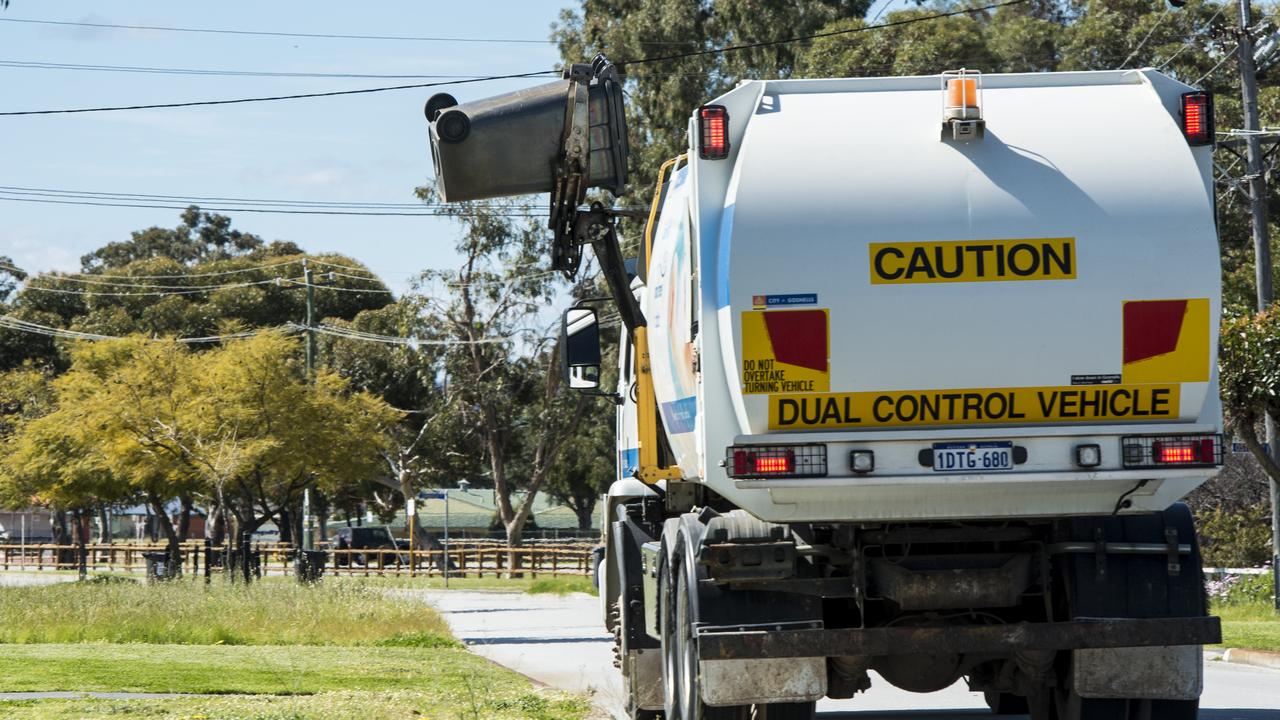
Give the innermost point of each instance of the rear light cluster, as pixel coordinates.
(1172, 451)
(713, 132)
(769, 461)
(1197, 117)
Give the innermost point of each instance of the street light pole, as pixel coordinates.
(1261, 245)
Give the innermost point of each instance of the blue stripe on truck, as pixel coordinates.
(722, 258)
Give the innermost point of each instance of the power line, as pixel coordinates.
(440, 212)
(351, 334)
(817, 36)
(28, 287)
(1159, 21)
(201, 199)
(272, 98)
(43, 65)
(8, 322)
(640, 61)
(269, 33)
(99, 281)
(1191, 40)
(222, 273)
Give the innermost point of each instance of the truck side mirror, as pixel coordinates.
(580, 343)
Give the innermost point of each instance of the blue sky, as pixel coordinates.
(355, 148)
(368, 148)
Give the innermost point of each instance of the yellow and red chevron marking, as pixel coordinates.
(1166, 341)
(785, 351)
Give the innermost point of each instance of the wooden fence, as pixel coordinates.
(465, 559)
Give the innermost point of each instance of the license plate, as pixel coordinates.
(972, 457)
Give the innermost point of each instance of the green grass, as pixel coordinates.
(254, 670)
(563, 585)
(465, 703)
(272, 651)
(272, 681)
(528, 705)
(272, 612)
(1253, 626)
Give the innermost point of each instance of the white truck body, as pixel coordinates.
(911, 384)
(840, 206)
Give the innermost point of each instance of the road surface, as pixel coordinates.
(559, 641)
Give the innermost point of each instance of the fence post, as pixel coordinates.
(244, 558)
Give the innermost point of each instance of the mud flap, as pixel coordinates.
(1151, 673)
(1139, 586)
(646, 678)
(747, 682)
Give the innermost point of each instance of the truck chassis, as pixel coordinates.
(719, 615)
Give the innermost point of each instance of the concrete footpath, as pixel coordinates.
(561, 642)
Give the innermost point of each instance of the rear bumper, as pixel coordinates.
(734, 643)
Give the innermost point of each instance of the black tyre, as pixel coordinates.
(785, 711)
(683, 697)
(1073, 707)
(1172, 710)
(1006, 703)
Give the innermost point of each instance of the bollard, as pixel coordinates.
(309, 566)
(244, 558)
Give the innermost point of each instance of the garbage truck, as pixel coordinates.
(913, 374)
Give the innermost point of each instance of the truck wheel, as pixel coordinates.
(1135, 586)
(680, 650)
(1171, 710)
(785, 711)
(1002, 703)
(1073, 707)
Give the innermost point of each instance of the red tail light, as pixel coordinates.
(1197, 117)
(1185, 450)
(757, 461)
(767, 462)
(713, 132)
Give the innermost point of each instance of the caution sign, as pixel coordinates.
(785, 351)
(1102, 403)
(973, 261)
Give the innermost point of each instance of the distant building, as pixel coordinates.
(32, 525)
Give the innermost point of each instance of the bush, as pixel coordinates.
(1238, 590)
(1235, 539)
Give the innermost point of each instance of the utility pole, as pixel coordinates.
(307, 542)
(311, 308)
(1261, 245)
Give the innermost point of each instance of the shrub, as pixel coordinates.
(1235, 590)
(1235, 539)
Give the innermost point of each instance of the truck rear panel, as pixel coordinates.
(860, 283)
